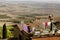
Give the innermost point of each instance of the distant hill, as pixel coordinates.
(30, 7)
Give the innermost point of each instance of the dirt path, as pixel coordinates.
(48, 38)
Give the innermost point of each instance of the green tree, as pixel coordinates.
(4, 34)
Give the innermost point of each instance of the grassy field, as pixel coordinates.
(9, 31)
(0, 31)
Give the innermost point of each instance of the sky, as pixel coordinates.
(56, 1)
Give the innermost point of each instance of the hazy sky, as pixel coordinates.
(56, 1)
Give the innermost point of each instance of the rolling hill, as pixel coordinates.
(29, 7)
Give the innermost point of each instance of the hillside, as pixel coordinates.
(26, 8)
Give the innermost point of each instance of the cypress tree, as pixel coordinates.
(51, 27)
(4, 34)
